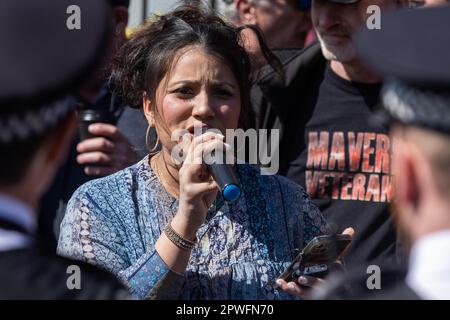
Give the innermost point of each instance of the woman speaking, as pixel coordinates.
(161, 226)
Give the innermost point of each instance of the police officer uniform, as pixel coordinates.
(48, 48)
(412, 52)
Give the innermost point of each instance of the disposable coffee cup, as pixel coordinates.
(88, 117)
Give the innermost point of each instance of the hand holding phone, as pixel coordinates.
(317, 257)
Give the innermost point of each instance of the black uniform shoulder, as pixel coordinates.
(295, 64)
(374, 282)
(33, 273)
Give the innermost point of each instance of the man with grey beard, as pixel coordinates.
(285, 24)
(328, 145)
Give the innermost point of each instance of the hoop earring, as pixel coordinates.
(155, 146)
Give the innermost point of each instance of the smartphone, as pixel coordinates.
(317, 256)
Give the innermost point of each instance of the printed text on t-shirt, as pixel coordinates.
(349, 166)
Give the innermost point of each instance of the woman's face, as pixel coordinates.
(200, 90)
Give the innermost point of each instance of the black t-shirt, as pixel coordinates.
(342, 159)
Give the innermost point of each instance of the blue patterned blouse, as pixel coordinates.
(114, 222)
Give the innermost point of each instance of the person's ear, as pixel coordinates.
(407, 189)
(412, 187)
(147, 108)
(247, 11)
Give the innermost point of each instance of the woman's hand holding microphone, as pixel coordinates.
(197, 188)
(197, 192)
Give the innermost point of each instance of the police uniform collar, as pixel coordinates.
(17, 213)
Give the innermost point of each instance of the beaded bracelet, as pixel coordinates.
(178, 240)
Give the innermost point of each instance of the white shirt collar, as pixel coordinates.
(12, 240)
(429, 266)
(17, 212)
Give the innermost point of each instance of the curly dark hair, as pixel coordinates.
(145, 59)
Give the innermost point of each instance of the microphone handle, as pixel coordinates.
(224, 176)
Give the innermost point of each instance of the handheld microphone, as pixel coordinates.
(226, 180)
(223, 175)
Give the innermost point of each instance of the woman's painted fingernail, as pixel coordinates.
(291, 285)
(302, 280)
(278, 282)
